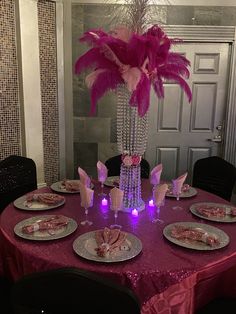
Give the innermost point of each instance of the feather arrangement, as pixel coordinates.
(140, 59)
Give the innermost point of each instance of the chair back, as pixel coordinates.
(17, 177)
(71, 291)
(113, 165)
(215, 175)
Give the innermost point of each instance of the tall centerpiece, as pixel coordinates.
(130, 60)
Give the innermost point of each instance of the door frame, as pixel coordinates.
(214, 34)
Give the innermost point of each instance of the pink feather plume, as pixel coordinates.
(137, 60)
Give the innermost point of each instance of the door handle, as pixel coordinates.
(216, 139)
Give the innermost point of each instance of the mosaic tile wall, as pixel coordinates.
(95, 137)
(48, 74)
(10, 137)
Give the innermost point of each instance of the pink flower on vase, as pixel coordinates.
(127, 161)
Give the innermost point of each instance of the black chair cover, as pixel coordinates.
(17, 177)
(71, 291)
(215, 175)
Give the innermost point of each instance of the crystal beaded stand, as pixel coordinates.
(132, 134)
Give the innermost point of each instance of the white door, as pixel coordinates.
(181, 133)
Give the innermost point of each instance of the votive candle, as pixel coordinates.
(135, 212)
(151, 204)
(104, 201)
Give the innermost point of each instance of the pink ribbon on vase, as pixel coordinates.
(102, 171)
(178, 183)
(84, 178)
(156, 174)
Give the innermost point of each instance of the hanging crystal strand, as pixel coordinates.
(132, 131)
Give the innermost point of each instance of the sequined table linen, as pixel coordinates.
(167, 278)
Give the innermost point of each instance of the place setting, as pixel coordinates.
(217, 212)
(45, 227)
(196, 236)
(107, 245)
(72, 186)
(39, 201)
(178, 189)
(110, 244)
(112, 181)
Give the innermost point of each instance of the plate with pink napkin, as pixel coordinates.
(214, 211)
(107, 245)
(196, 236)
(39, 201)
(67, 186)
(47, 227)
(186, 191)
(113, 181)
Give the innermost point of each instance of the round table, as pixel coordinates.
(163, 275)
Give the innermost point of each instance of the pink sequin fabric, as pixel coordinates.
(166, 278)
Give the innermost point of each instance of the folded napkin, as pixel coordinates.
(51, 223)
(156, 174)
(84, 178)
(86, 195)
(110, 241)
(178, 183)
(116, 196)
(159, 193)
(102, 171)
(70, 185)
(44, 198)
(194, 234)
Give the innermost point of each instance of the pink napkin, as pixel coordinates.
(159, 193)
(102, 171)
(86, 195)
(84, 178)
(156, 174)
(178, 183)
(116, 196)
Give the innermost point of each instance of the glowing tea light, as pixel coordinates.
(135, 212)
(104, 201)
(151, 203)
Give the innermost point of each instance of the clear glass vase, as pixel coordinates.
(132, 133)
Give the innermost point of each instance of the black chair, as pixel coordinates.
(5, 293)
(113, 165)
(71, 291)
(219, 305)
(215, 175)
(17, 177)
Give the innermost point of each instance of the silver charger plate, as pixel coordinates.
(57, 187)
(22, 204)
(191, 192)
(228, 218)
(197, 245)
(44, 236)
(85, 246)
(110, 181)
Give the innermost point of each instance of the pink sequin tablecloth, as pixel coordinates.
(167, 278)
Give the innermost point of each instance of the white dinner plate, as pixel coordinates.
(85, 246)
(112, 181)
(227, 218)
(21, 203)
(58, 187)
(45, 235)
(197, 245)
